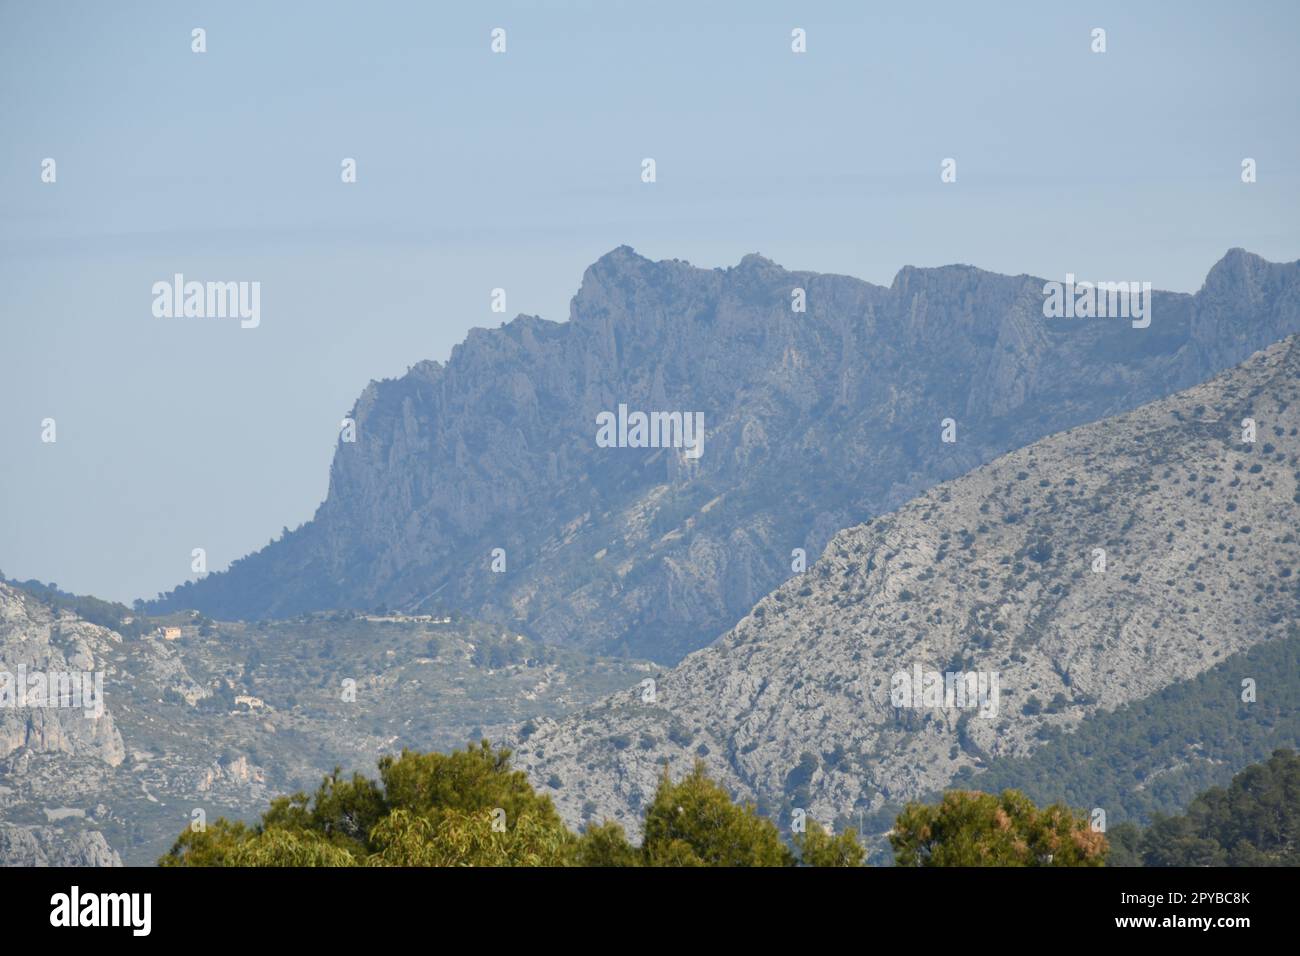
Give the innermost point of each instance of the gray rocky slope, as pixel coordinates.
(50, 846)
(32, 643)
(228, 715)
(814, 421)
(993, 572)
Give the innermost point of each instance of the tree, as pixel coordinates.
(461, 809)
(818, 848)
(1255, 821)
(476, 778)
(606, 845)
(695, 820)
(276, 847)
(470, 809)
(1173, 841)
(969, 828)
(459, 838)
(1125, 841)
(213, 846)
(342, 811)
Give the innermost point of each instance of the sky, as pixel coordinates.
(479, 170)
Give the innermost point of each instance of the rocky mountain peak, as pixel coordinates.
(815, 420)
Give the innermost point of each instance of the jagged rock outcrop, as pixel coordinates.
(994, 573)
(814, 421)
(49, 846)
(54, 655)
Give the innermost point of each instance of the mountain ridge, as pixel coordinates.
(829, 414)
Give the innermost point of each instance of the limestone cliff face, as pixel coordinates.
(814, 421)
(35, 640)
(38, 642)
(995, 572)
(48, 846)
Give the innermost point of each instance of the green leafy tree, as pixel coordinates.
(606, 845)
(213, 846)
(818, 848)
(462, 809)
(468, 780)
(968, 828)
(451, 837)
(1125, 841)
(674, 853)
(342, 811)
(276, 847)
(1173, 841)
(470, 809)
(695, 819)
(1254, 821)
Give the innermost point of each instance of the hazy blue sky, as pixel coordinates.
(479, 170)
